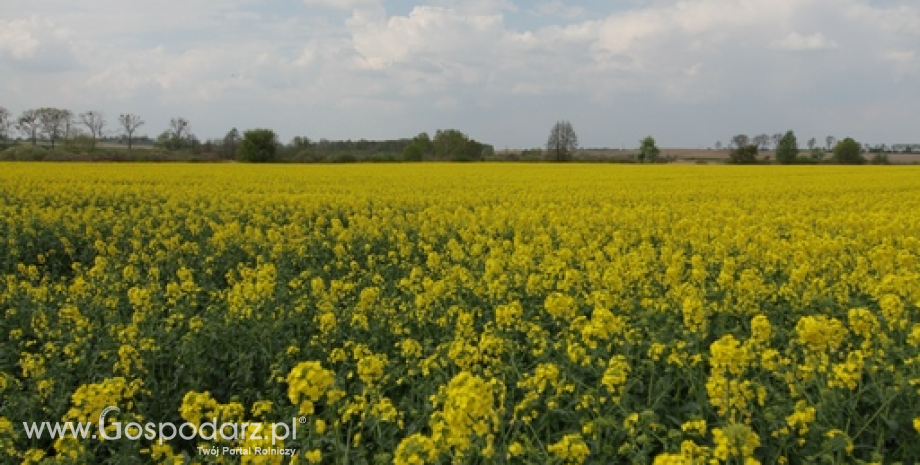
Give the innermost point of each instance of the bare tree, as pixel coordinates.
(562, 142)
(95, 122)
(718, 145)
(811, 143)
(740, 140)
(178, 135)
(179, 127)
(761, 141)
(5, 120)
(776, 138)
(130, 122)
(54, 122)
(29, 125)
(830, 142)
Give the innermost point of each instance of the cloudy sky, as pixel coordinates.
(689, 72)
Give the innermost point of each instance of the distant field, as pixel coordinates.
(112, 145)
(685, 155)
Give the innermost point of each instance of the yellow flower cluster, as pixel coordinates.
(467, 414)
(308, 382)
(571, 449)
(89, 400)
(424, 313)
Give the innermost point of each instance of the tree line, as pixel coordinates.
(57, 124)
(81, 132)
(745, 150)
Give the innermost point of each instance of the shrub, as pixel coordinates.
(258, 146)
(880, 159)
(413, 153)
(80, 144)
(26, 153)
(744, 155)
(847, 152)
(345, 158)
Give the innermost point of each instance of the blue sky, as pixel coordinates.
(688, 72)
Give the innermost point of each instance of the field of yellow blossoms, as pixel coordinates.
(450, 313)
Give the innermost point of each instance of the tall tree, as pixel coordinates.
(54, 122)
(811, 143)
(29, 125)
(232, 141)
(787, 149)
(761, 141)
(562, 142)
(129, 123)
(94, 122)
(648, 151)
(830, 141)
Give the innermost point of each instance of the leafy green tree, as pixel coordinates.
(474, 150)
(424, 143)
(787, 149)
(847, 152)
(648, 151)
(421, 147)
(258, 146)
(744, 155)
(450, 144)
(562, 142)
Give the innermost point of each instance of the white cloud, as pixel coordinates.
(427, 34)
(560, 9)
(795, 42)
(342, 4)
(906, 62)
(16, 38)
(37, 45)
(363, 9)
(317, 63)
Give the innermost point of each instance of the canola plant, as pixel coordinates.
(452, 313)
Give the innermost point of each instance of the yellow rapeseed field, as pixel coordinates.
(454, 313)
